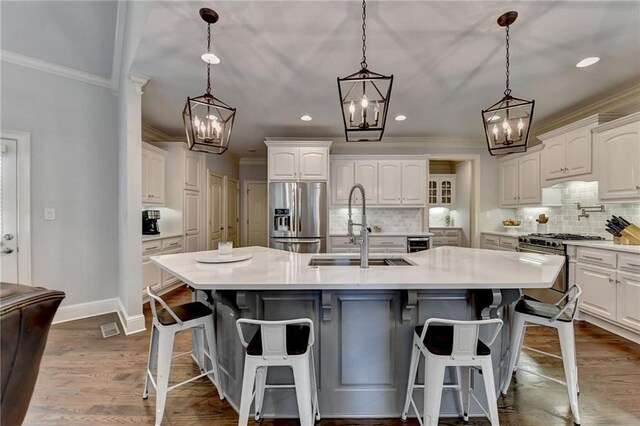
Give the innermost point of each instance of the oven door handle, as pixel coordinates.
(528, 250)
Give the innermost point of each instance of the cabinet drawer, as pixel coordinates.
(628, 261)
(490, 240)
(437, 232)
(387, 242)
(340, 242)
(452, 233)
(508, 243)
(595, 256)
(445, 241)
(151, 247)
(171, 243)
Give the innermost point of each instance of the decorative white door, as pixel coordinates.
(313, 163)
(283, 163)
(413, 181)
(341, 181)
(619, 158)
(578, 153)
(529, 179)
(256, 209)
(509, 183)
(389, 182)
(8, 212)
(192, 170)
(366, 174)
(191, 220)
(552, 158)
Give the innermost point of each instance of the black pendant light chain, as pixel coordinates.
(363, 64)
(208, 63)
(507, 91)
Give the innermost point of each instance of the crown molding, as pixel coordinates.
(414, 142)
(628, 119)
(253, 161)
(151, 134)
(624, 101)
(55, 69)
(591, 121)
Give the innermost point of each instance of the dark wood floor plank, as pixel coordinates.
(87, 380)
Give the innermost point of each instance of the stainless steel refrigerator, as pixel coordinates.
(298, 216)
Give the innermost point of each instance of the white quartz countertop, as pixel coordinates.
(440, 268)
(387, 234)
(606, 245)
(503, 233)
(160, 237)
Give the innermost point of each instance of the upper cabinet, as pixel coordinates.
(441, 190)
(192, 170)
(568, 151)
(393, 182)
(617, 159)
(153, 175)
(298, 160)
(520, 180)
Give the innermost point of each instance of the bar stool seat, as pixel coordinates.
(439, 340)
(542, 310)
(185, 312)
(297, 341)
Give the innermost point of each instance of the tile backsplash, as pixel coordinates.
(389, 219)
(565, 218)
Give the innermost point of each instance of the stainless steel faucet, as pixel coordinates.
(363, 239)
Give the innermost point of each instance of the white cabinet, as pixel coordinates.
(446, 237)
(342, 179)
(413, 182)
(498, 242)
(628, 300)
(231, 210)
(191, 220)
(192, 170)
(366, 174)
(153, 175)
(553, 158)
(152, 275)
(292, 161)
(441, 191)
(567, 155)
(520, 181)
(617, 147)
(598, 286)
(389, 182)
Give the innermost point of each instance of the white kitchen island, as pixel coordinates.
(364, 318)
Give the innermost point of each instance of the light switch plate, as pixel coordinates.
(49, 213)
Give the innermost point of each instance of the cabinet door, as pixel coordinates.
(366, 174)
(552, 161)
(146, 191)
(191, 212)
(283, 163)
(619, 162)
(192, 171)
(578, 153)
(598, 290)
(628, 307)
(342, 175)
(191, 243)
(529, 191)
(432, 191)
(389, 182)
(509, 183)
(156, 178)
(413, 181)
(231, 215)
(151, 275)
(447, 191)
(215, 211)
(313, 163)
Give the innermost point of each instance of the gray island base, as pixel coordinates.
(363, 318)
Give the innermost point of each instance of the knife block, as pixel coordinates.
(630, 236)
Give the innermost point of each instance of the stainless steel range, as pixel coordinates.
(550, 244)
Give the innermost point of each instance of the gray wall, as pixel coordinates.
(74, 169)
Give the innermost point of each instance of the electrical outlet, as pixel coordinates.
(49, 213)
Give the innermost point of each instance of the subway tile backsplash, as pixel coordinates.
(389, 219)
(565, 217)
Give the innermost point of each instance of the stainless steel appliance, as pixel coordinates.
(150, 222)
(298, 216)
(552, 245)
(415, 244)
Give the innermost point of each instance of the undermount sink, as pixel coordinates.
(353, 261)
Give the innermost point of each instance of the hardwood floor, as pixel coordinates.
(87, 380)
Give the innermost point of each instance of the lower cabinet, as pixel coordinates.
(377, 245)
(598, 286)
(152, 275)
(498, 242)
(446, 237)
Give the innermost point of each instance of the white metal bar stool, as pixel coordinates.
(560, 317)
(167, 322)
(451, 343)
(279, 343)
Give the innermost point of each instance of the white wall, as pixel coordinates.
(74, 169)
(223, 165)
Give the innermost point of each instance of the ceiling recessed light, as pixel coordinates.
(306, 118)
(401, 117)
(587, 61)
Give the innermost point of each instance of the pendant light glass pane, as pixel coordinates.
(364, 100)
(507, 124)
(208, 123)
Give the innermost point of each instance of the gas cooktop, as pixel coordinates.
(568, 237)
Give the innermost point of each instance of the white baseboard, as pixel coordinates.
(613, 328)
(85, 310)
(130, 324)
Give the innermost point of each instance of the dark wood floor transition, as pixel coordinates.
(87, 380)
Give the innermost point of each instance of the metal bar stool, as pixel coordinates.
(560, 317)
(279, 343)
(167, 322)
(451, 343)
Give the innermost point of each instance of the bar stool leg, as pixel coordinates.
(515, 345)
(261, 383)
(165, 352)
(413, 370)
(314, 387)
(490, 390)
(465, 390)
(151, 361)
(246, 398)
(302, 379)
(210, 335)
(198, 343)
(433, 382)
(567, 344)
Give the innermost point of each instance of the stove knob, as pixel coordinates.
(557, 244)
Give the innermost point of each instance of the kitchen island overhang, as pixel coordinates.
(363, 318)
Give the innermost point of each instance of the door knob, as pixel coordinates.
(7, 237)
(7, 251)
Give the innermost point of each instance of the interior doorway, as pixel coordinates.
(255, 213)
(15, 208)
(222, 210)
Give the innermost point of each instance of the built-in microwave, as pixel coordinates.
(415, 244)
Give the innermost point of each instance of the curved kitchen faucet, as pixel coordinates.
(363, 239)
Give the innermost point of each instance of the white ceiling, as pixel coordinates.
(281, 59)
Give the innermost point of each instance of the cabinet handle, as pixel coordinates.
(638, 187)
(592, 257)
(618, 281)
(611, 280)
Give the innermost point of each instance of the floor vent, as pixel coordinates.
(109, 330)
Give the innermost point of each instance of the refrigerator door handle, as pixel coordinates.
(299, 241)
(299, 210)
(294, 197)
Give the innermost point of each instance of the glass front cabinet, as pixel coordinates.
(441, 190)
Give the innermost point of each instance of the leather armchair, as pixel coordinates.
(25, 317)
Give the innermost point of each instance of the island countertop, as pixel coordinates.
(440, 268)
